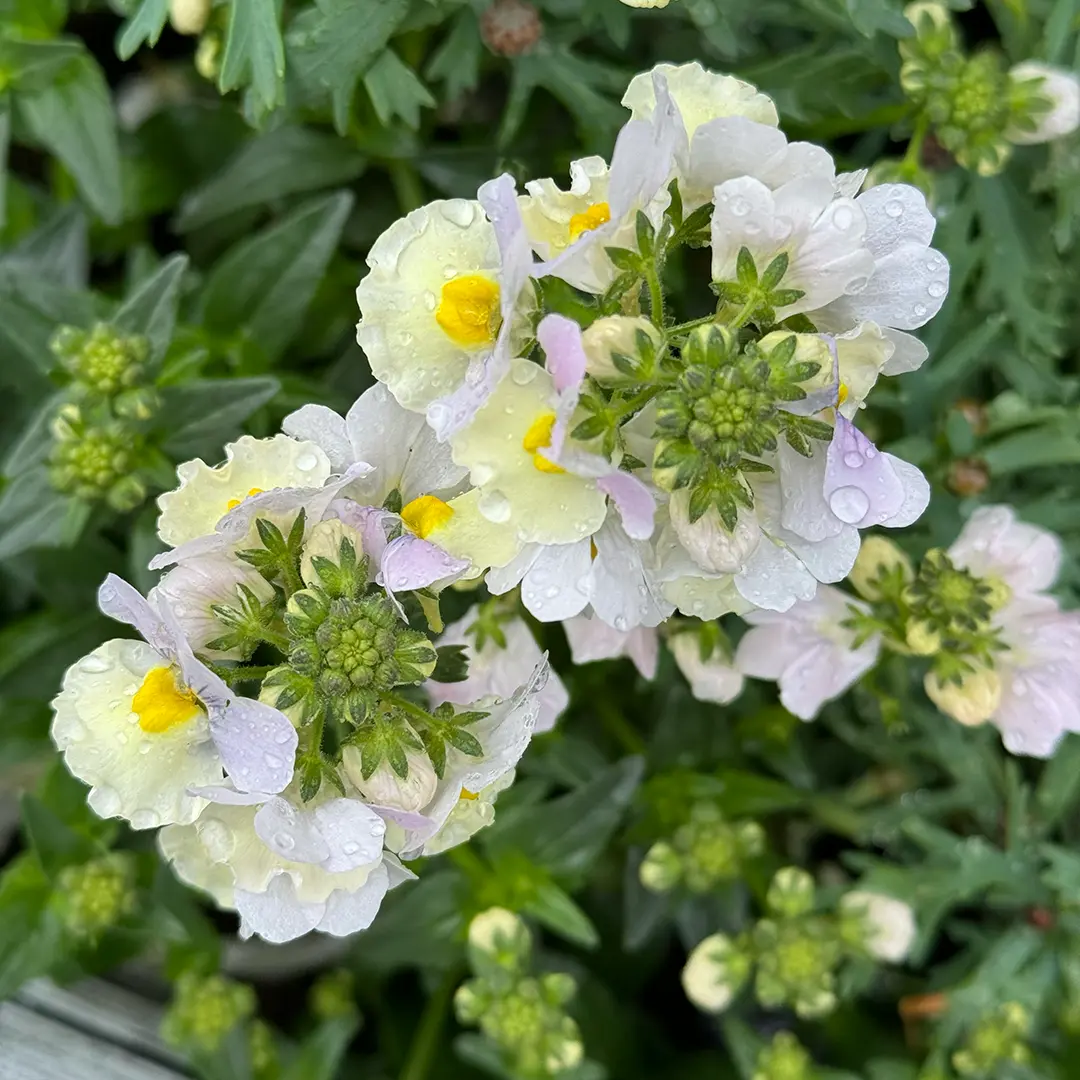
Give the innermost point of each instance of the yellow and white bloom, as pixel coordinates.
(251, 467)
(519, 485)
(471, 813)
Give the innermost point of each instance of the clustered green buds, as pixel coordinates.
(795, 952)
(98, 446)
(725, 410)
(524, 1016)
(974, 104)
(93, 897)
(205, 1010)
(705, 851)
(785, 1058)
(998, 1039)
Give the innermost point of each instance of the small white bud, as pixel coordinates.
(713, 679)
(496, 929)
(385, 788)
(709, 978)
(615, 334)
(325, 540)
(189, 16)
(1056, 85)
(710, 545)
(888, 924)
(972, 701)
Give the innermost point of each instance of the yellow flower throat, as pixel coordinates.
(160, 704)
(426, 514)
(537, 438)
(596, 215)
(468, 310)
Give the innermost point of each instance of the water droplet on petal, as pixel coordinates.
(460, 212)
(843, 217)
(739, 207)
(853, 460)
(429, 300)
(918, 310)
(217, 838)
(306, 462)
(272, 761)
(378, 828)
(894, 208)
(95, 665)
(523, 374)
(284, 841)
(350, 848)
(849, 504)
(105, 801)
(937, 289)
(495, 506)
(145, 819)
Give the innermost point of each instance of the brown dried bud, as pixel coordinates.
(968, 476)
(934, 156)
(511, 27)
(974, 412)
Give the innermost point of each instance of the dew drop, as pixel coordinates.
(918, 310)
(937, 289)
(282, 738)
(378, 828)
(95, 665)
(523, 374)
(284, 841)
(853, 460)
(894, 208)
(495, 506)
(849, 504)
(429, 300)
(217, 838)
(459, 212)
(106, 594)
(144, 747)
(843, 218)
(621, 624)
(739, 207)
(306, 462)
(482, 475)
(551, 592)
(1019, 687)
(350, 848)
(272, 761)
(856, 285)
(105, 801)
(121, 738)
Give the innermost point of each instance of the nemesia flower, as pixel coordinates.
(1032, 693)
(144, 722)
(498, 670)
(807, 650)
(438, 309)
(1054, 87)
(592, 639)
(251, 467)
(712, 678)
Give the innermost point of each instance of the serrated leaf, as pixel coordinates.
(558, 912)
(396, 90)
(254, 53)
(143, 27)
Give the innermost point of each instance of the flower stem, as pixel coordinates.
(408, 706)
(425, 1043)
(693, 324)
(910, 165)
(656, 294)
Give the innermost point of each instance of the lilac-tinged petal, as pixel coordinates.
(828, 397)
(633, 500)
(774, 578)
(560, 338)
(644, 153)
(290, 833)
(227, 795)
(501, 579)
(257, 744)
(326, 429)
(499, 199)
(350, 912)
(371, 522)
(352, 833)
(916, 494)
(861, 486)
(276, 915)
(411, 563)
(451, 414)
(123, 602)
(407, 819)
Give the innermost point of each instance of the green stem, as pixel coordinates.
(637, 402)
(246, 674)
(429, 1031)
(272, 637)
(656, 294)
(407, 185)
(910, 165)
(744, 315)
(408, 706)
(618, 726)
(693, 324)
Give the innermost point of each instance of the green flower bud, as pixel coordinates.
(784, 1059)
(204, 1010)
(620, 348)
(501, 936)
(101, 360)
(126, 494)
(97, 895)
(333, 995)
(138, 404)
(922, 638)
(661, 869)
(971, 701)
(88, 461)
(715, 972)
(881, 565)
(996, 1040)
(558, 988)
(791, 892)
(189, 16)
(262, 1046)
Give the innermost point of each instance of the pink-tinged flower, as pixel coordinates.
(807, 650)
(712, 678)
(592, 639)
(497, 671)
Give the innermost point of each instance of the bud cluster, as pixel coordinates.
(93, 897)
(1000, 1038)
(523, 1015)
(98, 445)
(205, 1010)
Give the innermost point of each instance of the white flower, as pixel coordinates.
(405, 457)
(888, 924)
(1057, 87)
(251, 467)
(439, 311)
(592, 639)
(471, 813)
(496, 929)
(647, 3)
(713, 678)
(191, 588)
(143, 722)
(613, 573)
(614, 334)
(520, 486)
(708, 979)
(497, 672)
(807, 650)
(993, 544)
(385, 788)
(288, 868)
(971, 701)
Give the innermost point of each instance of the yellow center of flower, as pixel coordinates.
(426, 514)
(468, 310)
(160, 704)
(598, 214)
(471, 796)
(536, 438)
(842, 394)
(234, 503)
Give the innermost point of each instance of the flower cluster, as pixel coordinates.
(796, 951)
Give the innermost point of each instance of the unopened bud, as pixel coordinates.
(384, 787)
(332, 996)
(189, 16)
(632, 337)
(138, 404)
(511, 27)
(922, 639)
(791, 892)
(708, 541)
(661, 868)
(325, 541)
(714, 973)
(883, 925)
(208, 56)
(96, 895)
(879, 561)
(205, 1009)
(968, 477)
(1046, 105)
(126, 494)
(502, 935)
(784, 1059)
(971, 701)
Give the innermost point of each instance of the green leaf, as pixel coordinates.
(33, 515)
(396, 90)
(573, 830)
(558, 912)
(55, 844)
(744, 1045)
(74, 119)
(30, 939)
(33, 445)
(34, 18)
(150, 311)
(266, 283)
(33, 65)
(5, 142)
(205, 413)
(452, 664)
(145, 25)
(323, 1051)
(254, 53)
(332, 44)
(56, 252)
(288, 161)
(457, 61)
